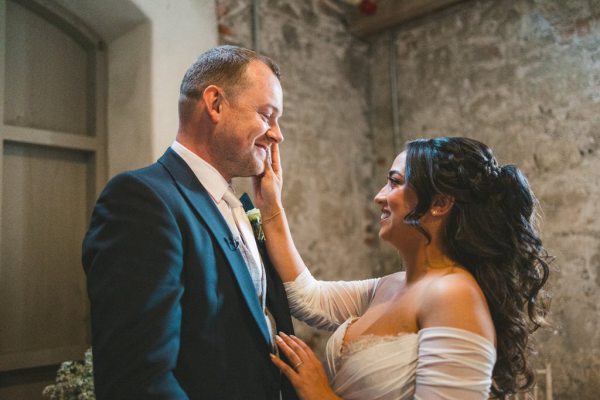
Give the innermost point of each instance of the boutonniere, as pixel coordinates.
(256, 222)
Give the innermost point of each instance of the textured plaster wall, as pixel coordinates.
(327, 153)
(524, 77)
(520, 75)
(145, 67)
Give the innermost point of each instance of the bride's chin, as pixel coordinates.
(386, 235)
(383, 234)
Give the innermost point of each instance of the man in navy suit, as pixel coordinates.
(180, 308)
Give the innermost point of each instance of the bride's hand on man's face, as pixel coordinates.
(267, 187)
(306, 372)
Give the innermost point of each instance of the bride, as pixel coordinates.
(456, 323)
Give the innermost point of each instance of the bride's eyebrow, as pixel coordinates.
(394, 172)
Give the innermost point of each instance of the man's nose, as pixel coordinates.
(274, 133)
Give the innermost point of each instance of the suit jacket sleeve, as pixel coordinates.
(133, 257)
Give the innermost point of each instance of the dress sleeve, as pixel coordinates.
(453, 364)
(326, 305)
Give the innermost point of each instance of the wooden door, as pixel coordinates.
(52, 164)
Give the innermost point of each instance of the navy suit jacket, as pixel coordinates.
(174, 313)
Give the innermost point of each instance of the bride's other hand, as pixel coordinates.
(267, 187)
(306, 372)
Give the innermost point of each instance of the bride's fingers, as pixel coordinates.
(286, 369)
(256, 184)
(268, 163)
(275, 160)
(293, 343)
(286, 349)
(301, 345)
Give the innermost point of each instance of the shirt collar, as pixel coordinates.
(212, 180)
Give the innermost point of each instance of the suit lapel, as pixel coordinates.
(206, 210)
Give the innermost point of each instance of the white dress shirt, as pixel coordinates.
(210, 178)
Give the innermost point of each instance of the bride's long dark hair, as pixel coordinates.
(491, 231)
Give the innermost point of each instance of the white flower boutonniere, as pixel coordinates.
(256, 222)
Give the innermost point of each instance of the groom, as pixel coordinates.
(183, 303)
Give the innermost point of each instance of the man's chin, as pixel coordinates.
(257, 169)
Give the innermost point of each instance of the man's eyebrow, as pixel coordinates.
(273, 107)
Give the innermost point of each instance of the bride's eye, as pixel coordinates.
(395, 181)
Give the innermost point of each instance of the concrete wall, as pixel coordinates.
(524, 77)
(327, 153)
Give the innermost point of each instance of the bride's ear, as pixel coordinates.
(441, 205)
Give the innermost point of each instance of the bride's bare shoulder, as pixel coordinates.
(456, 300)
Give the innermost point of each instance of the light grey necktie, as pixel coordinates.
(248, 245)
(251, 255)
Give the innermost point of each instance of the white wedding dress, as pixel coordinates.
(438, 363)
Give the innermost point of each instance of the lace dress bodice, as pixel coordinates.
(372, 367)
(435, 363)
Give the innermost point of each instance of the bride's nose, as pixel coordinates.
(380, 197)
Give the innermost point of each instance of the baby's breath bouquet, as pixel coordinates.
(74, 381)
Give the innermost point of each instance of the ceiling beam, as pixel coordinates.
(391, 13)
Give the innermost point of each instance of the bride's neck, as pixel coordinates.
(429, 258)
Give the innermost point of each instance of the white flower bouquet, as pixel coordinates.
(74, 381)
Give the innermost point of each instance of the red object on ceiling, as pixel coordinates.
(368, 7)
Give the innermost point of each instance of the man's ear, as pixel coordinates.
(213, 100)
(441, 205)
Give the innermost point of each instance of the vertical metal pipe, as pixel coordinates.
(393, 71)
(548, 382)
(256, 25)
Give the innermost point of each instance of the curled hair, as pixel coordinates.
(490, 231)
(223, 66)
